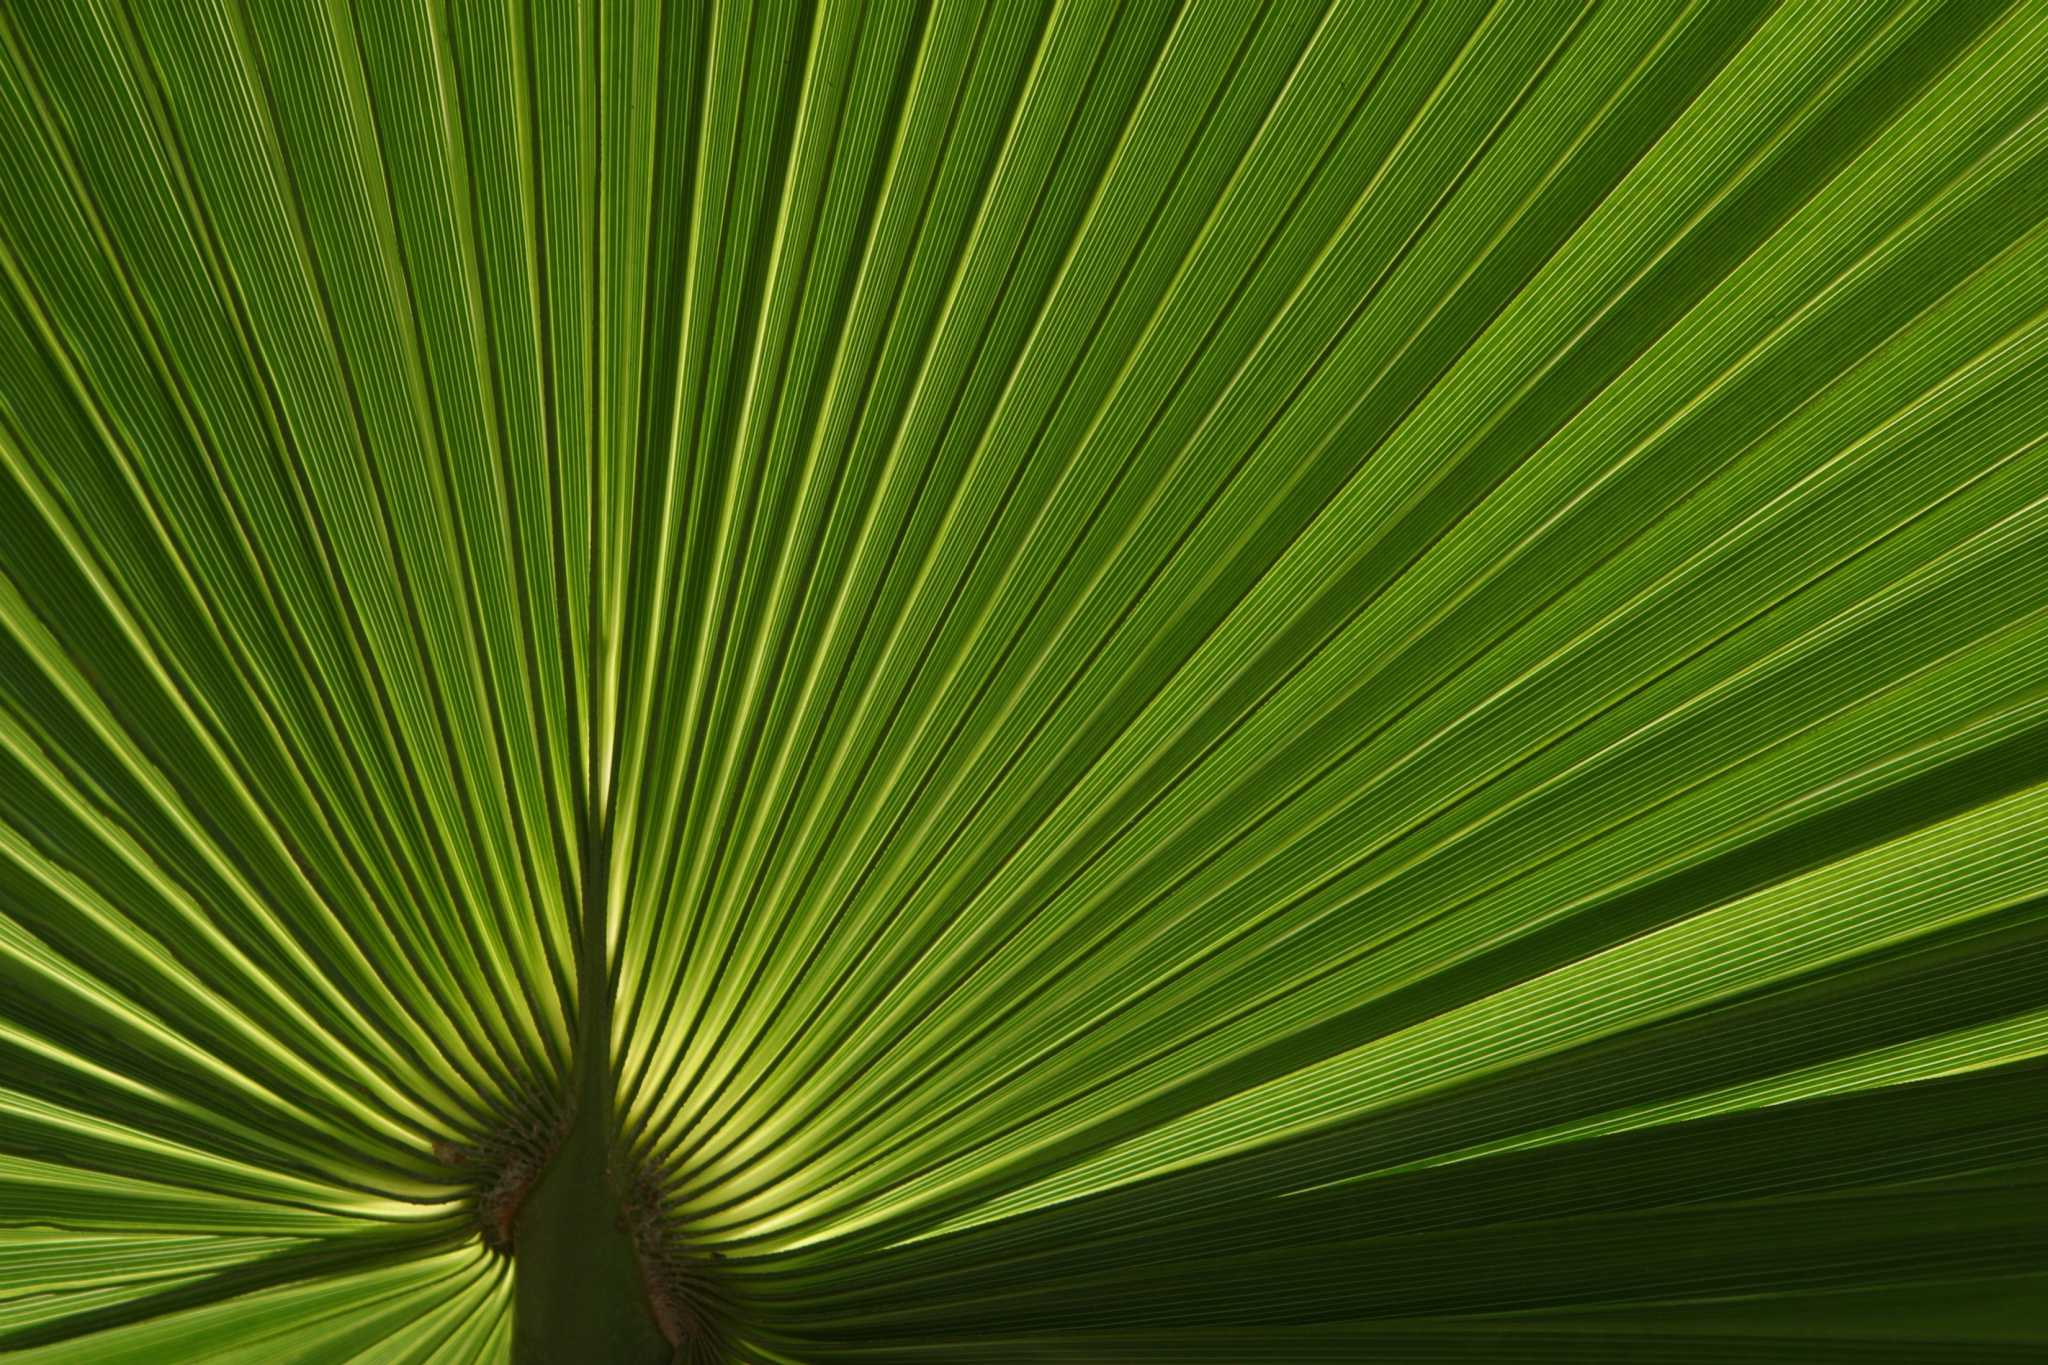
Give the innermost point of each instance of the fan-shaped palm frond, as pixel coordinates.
(906, 680)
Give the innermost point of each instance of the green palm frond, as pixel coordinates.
(1115, 681)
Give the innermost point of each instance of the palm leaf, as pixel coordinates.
(1004, 682)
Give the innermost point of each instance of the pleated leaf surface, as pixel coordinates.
(1242, 680)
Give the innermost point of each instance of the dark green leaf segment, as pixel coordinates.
(801, 682)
